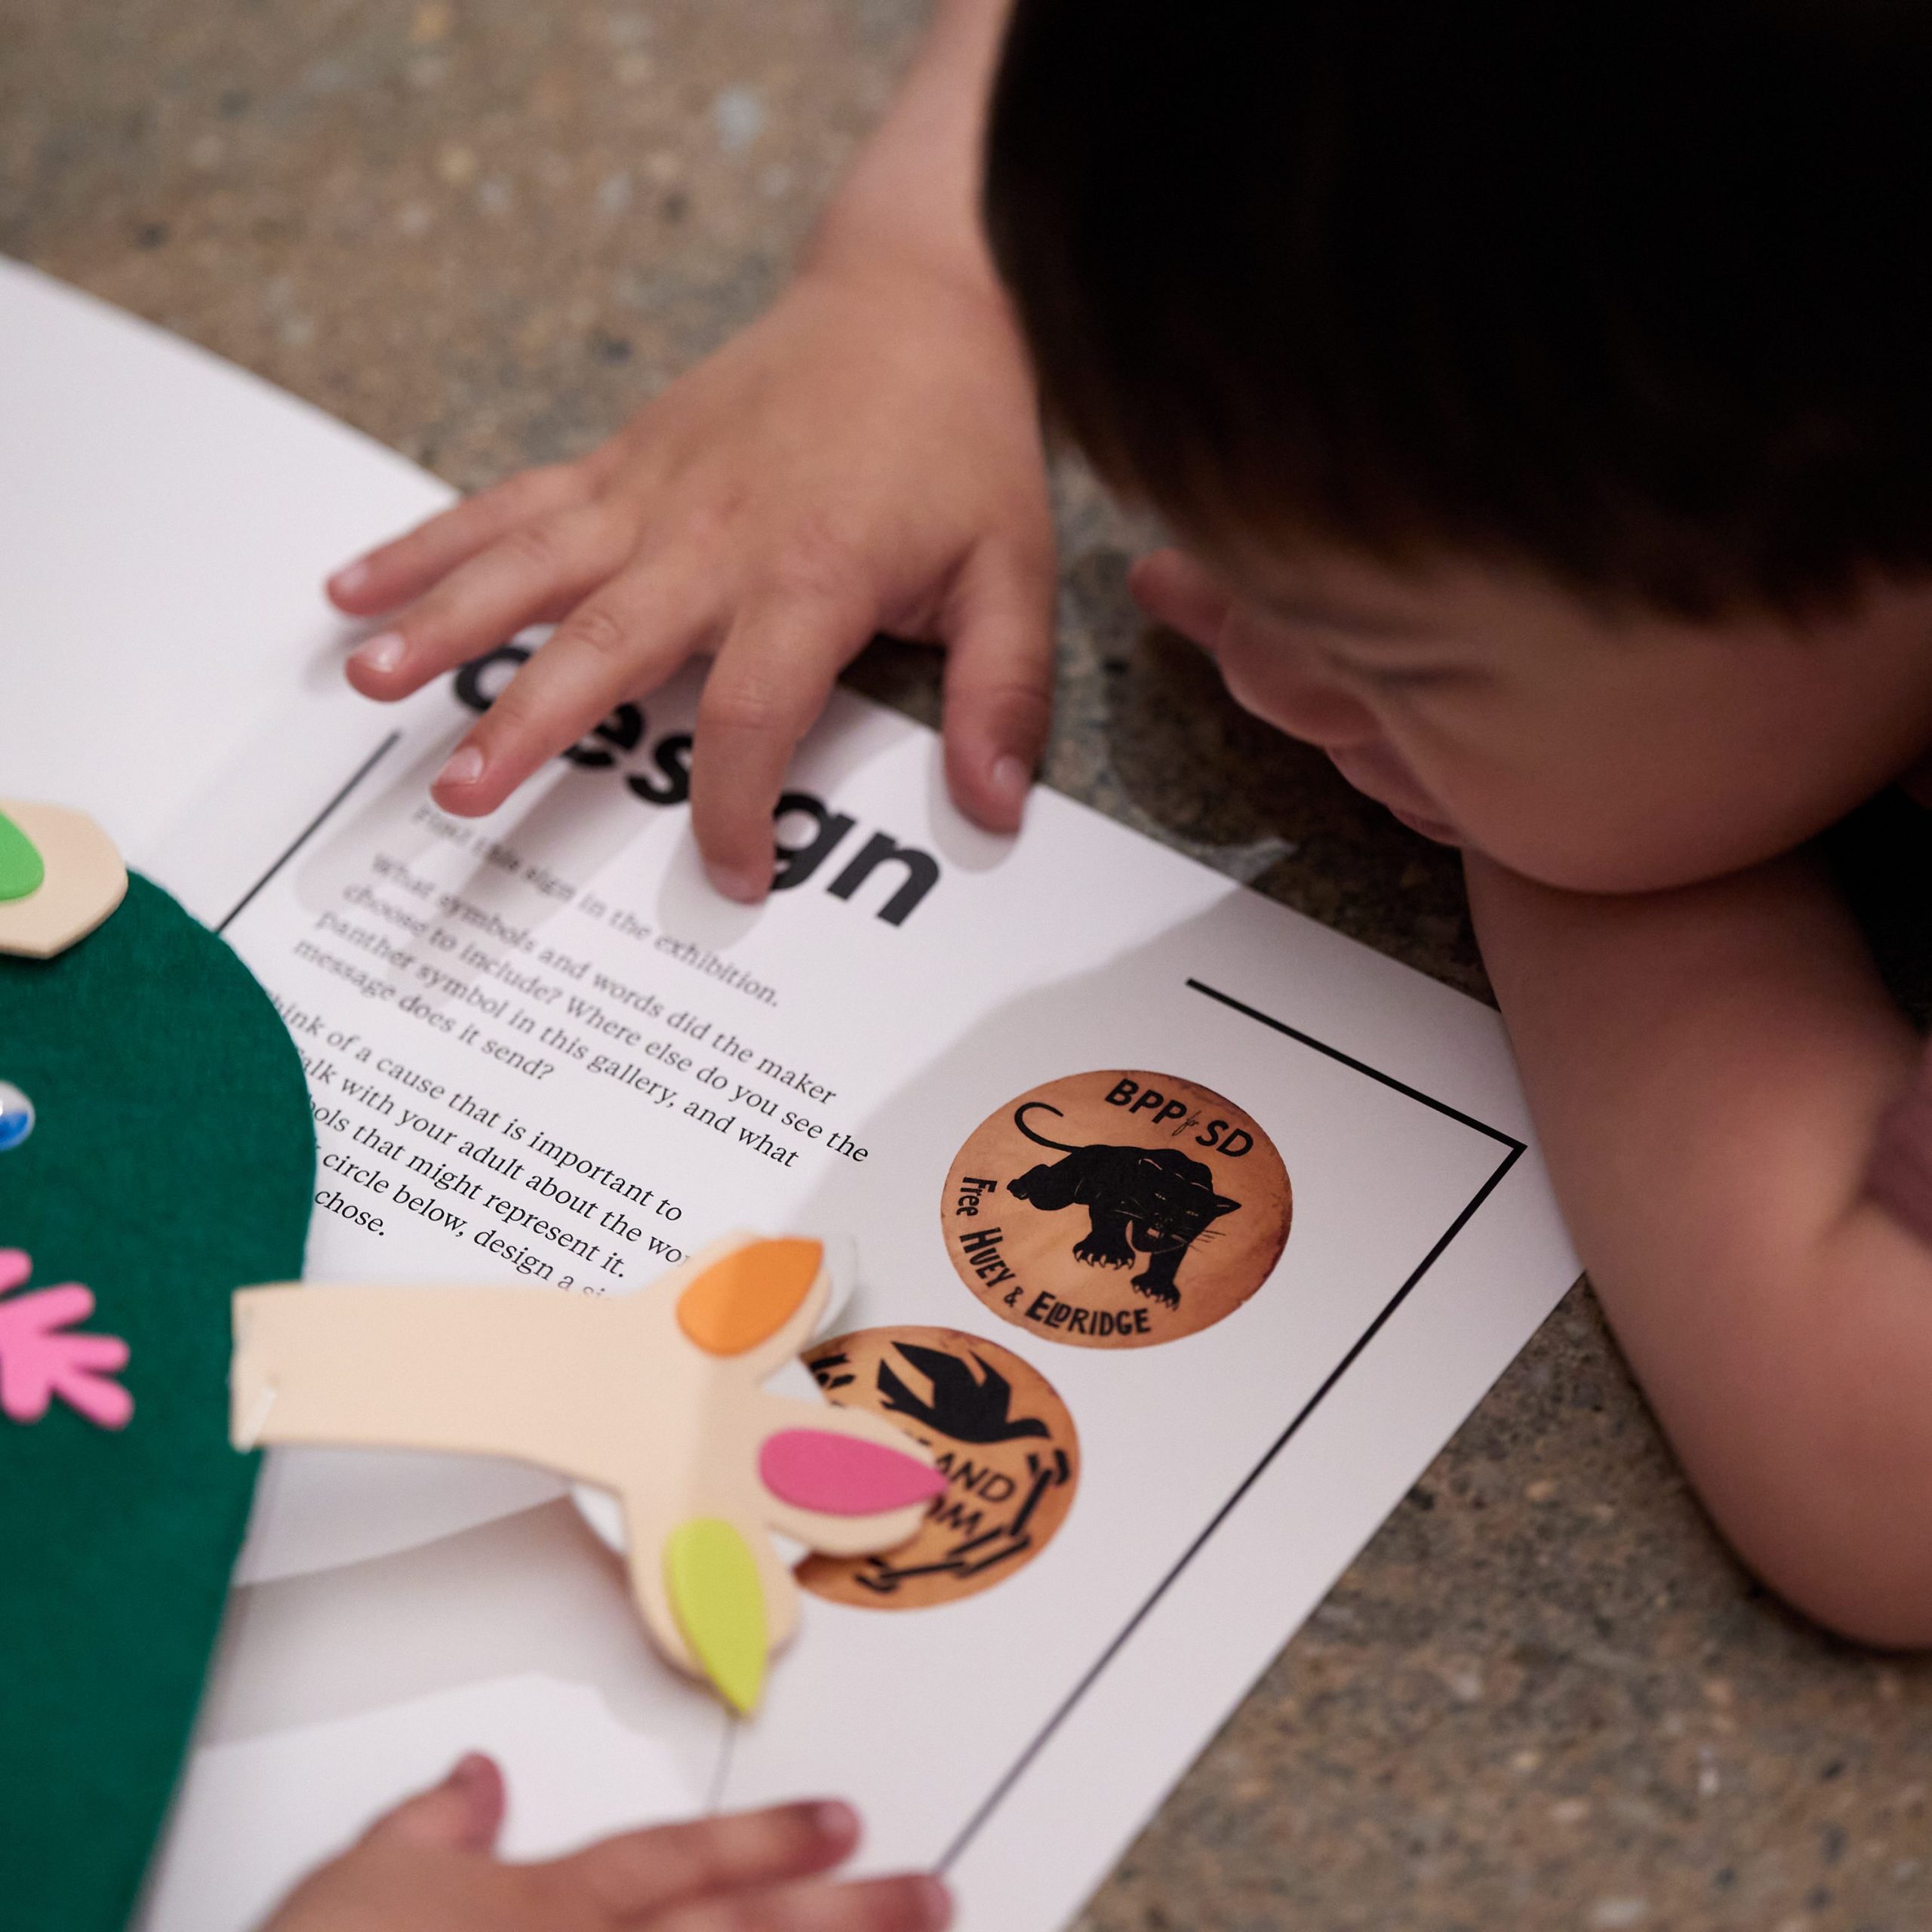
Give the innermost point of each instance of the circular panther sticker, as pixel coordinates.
(1003, 1436)
(1116, 1209)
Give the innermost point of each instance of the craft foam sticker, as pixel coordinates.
(652, 1396)
(1116, 1209)
(16, 1116)
(998, 1432)
(711, 1576)
(60, 877)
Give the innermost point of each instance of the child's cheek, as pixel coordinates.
(1247, 691)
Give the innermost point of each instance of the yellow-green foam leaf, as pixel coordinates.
(719, 1604)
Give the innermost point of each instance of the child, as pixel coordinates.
(1544, 394)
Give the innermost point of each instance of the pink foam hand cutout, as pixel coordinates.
(841, 1476)
(38, 1362)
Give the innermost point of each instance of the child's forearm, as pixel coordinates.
(912, 197)
(1708, 1070)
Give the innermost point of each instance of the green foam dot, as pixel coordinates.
(21, 870)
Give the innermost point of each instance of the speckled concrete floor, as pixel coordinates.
(483, 230)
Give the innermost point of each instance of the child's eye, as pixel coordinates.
(16, 1116)
(1367, 667)
(1398, 677)
(1395, 678)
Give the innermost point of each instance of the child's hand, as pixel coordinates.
(427, 1866)
(865, 457)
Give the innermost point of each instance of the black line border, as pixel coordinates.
(314, 825)
(983, 1815)
(1359, 1066)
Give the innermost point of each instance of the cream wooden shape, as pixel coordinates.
(85, 881)
(607, 1391)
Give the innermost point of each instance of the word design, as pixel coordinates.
(668, 783)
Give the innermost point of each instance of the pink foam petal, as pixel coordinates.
(842, 1475)
(15, 1267)
(44, 1309)
(105, 1404)
(97, 1353)
(24, 1393)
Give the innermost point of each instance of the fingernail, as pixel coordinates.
(350, 578)
(831, 1818)
(465, 767)
(745, 886)
(380, 654)
(933, 1903)
(470, 1771)
(1011, 778)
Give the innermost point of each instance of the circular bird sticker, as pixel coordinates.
(1116, 1209)
(996, 1427)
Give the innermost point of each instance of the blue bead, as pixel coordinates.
(16, 1116)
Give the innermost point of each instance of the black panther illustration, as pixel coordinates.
(1152, 1200)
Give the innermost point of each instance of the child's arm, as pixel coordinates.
(864, 458)
(1708, 1069)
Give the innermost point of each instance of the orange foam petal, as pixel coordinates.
(746, 1298)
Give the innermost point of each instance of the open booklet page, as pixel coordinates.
(1185, 1231)
(1147, 1182)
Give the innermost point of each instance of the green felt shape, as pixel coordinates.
(172, 1160)
(21, 871)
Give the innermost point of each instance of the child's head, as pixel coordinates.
(1552, 384)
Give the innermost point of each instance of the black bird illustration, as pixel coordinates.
(966, 1407)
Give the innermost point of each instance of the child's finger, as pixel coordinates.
(912, 1902)
(643, 1873)
(1174, 590)
(540, 567)
(621, 643)
(771, 680)
(998, 695)
(393, 573)
(463, 1813)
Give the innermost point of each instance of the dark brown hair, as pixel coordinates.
(1639, 293)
